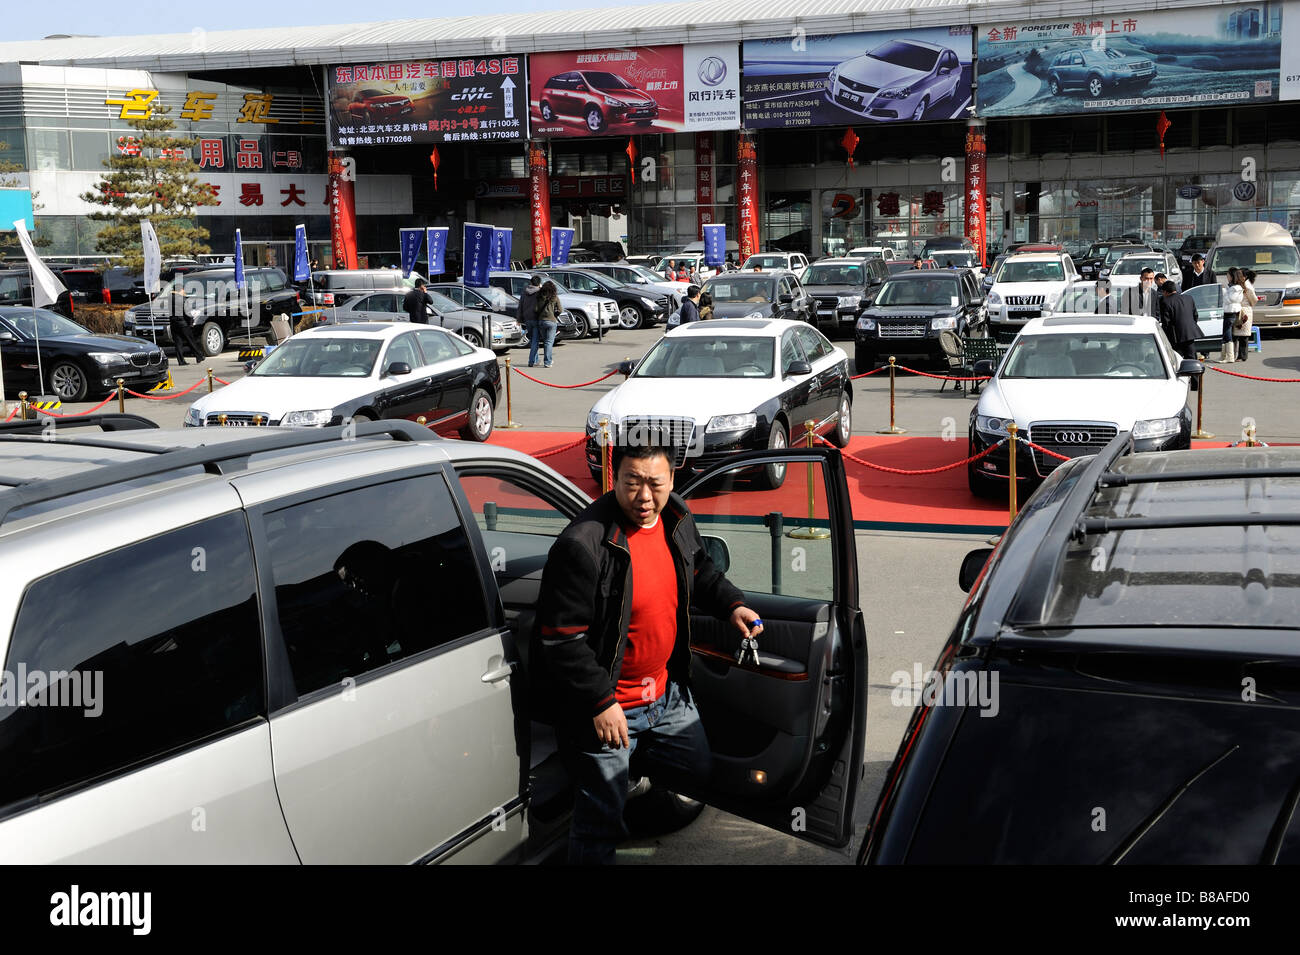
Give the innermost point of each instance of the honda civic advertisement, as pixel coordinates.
(884, 77)
(1219, 56)
(427, 101)
(657, 89)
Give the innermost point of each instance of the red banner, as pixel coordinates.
(539, 189)
(343, 210)
(747, 195)
(703, 182)
(976, 189)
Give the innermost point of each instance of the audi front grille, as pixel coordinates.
(1069, 438)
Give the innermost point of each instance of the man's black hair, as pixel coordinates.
(643, 450)
(419, 283)
(1169, 288)
(1198, 257)
(692, 291)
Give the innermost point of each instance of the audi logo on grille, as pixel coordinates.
(1073, 437)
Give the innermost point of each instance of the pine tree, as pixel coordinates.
(160, 184)
(9, 179)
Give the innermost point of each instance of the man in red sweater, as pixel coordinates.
(615, 642)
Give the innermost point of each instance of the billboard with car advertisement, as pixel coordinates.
(1210, 56)
(427, 101)
(654, 89)
(846, 78)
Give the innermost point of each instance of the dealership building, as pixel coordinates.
(813, 127)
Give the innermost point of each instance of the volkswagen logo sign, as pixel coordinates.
(712, 70)
(1072, 437)
(1244, 191)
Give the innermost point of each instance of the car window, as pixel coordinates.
(272, 281)
(437, 345)
(403, 348)
(724, 356)
(814, 345)
(791, 350)
(453, 292)
(504, 508)
(1092, 355)
(371, 576)
(130, 671)
(376, 303)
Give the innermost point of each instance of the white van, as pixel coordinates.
(872, 252)
(1269, 250)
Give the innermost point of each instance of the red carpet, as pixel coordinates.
(881, 501)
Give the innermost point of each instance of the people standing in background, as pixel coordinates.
(547, 321)
(1198, 274)
(1245, 322)
(1181, 313)
(706, 306)
(1146, 293)
(417, 303)
(690, 310)
(1233, 294)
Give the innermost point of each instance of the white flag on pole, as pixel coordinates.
(152, 257)
(46, 289)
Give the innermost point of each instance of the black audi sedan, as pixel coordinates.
(75, 361)
(910, 311)
(1110, 694)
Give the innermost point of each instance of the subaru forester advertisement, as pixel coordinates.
(851, 77)
(660, 89)
(1220, 56)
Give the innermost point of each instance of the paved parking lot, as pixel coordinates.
(908, 581)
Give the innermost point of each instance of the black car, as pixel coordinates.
(636, 308)
(760, 295)
(112, 286)
(1096, 264)
(16, 289)
(1134, 698)
(910, 311)
(843, 288)
(1191, 246)
(220, 311)
(496, 299)
(74, 361)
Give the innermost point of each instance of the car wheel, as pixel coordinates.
(472, 336)
(595, 119)
(774, 474)
(921, 107)
(1095, 87)
(68, 382)
(844, 426)
(479, 426)
(590, 324)
(547, 114)
(660, 811)
(1054, 86)
(631, 317)
(863, 360)
(214, 339)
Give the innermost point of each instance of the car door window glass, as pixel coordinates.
(503, 506)
(814, 345)
(377, 303)
(141, 651)
(371, 576)
(790, 349)
(437, 345)
(403, 349)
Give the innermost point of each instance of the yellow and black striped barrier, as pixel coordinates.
(250, 354)
(54, 405)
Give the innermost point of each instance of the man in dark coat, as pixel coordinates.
(1198, 274)
(417, 302)
(1180, 320)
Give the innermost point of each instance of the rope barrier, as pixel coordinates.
(179, 394)
(78, 414)
(11, 415)
(888, 470)
(1042, 450)
(873, 371)
(215, 378)
(1237, 374)
(926, 374)
(567, 447)
(582, 385)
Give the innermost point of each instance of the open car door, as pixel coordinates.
(788, 734)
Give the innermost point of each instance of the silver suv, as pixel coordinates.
(312, 646)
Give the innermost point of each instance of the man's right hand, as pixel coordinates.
(611, 726)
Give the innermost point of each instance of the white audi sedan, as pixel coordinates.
(1070, 383)
(718, 387)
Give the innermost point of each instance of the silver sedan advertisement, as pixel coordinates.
(887, 77)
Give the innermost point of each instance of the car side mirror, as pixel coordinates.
(983, 368)
(625, 367)
(7, 337)
(717, 550)
(1190, 366)
(798, 367)
(397, 368)
(972, 565)
(786, 298)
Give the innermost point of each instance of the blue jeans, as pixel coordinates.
(540, 333)
(671, 743)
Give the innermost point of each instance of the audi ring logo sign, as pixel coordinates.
(712, 71)
(1072, 437)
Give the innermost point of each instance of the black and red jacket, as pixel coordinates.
(586, 603)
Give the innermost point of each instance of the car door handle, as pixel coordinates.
(498, 674)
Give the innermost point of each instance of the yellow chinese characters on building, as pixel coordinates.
(198, 105)
(256, 108)
(137, 104)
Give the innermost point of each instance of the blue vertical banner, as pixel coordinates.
(409, 242)
(437, 250)
(502, 239)
(239, 260)
(561, 243)
(301, 264)
(715, 244)
(478, 254)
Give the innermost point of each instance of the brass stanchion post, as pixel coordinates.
(209, 381)
(1250, 437)
(1011, 446)
(510, 411)
(893, 428)
(810, 532)
(121, 396)
(1200, 432)
(606, 479)
(22, 400)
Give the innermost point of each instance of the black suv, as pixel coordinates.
(637, 308)
(910, 311)
(219, 311)
(1121, 684)
(16, 289)
(1096, 264)
(843, 288)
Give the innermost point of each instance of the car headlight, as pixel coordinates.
(991, 425)
(866, 324)
(1156, 427)
(610, 101)
(731, 422)
(193, 417)
(848, 301)
(896, 92)
(1290, 295)
(993, 298)
(498, 328)
(308, 419)
(649, 302)
(943, 323)
(107, 358)
(594, 418)
(1105, 271)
